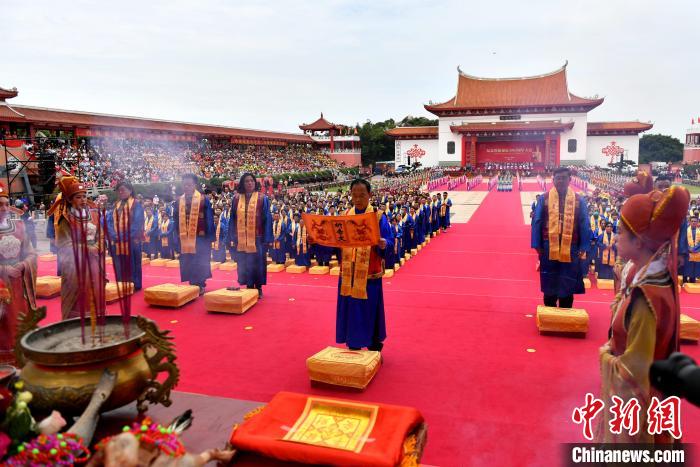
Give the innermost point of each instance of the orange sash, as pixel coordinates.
(277, 230)
(245, 223)
(355, 266)
(121, 225)
(215, 244)
(560, 236)
(692, 243)
(188, 225)
(301, 238)
(608, 253)
(164, 230)
(147, 228)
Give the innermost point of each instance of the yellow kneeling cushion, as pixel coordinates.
(170, 295)
(690, 328)
(319, 270)
(691, 287)
(551, 319)
(47, 258)
(109, 260)
(174, 263)
(289, 262)
(48, 286)
(389, 273)
(275, 267)
(402, 261)
(112, 293)
(335, 271)
(586, 282)
(228, 301)
(605, 284)
(214, 265)
(159, 262)
(145, 261)
(414, 251)
(228, 266)
(343, 367)
(294, 269)
(396, 267)
(333, 263)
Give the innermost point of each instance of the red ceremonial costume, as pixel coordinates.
(17, 258)
(646, 313)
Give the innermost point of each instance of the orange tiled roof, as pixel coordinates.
(614, 128)
(7, 93)
(38, 115)
(320, 125)
(428, 132)
(480, 127)
(548, 90)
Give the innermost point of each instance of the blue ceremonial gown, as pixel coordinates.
(252, 267)
(195, 268)
(300, 258)
(445, 221)
(557, 278)
(219, 254)
(692, 268)
(166, 251)
(279, 254)
(361, 323)
(150, 246)
(133, 260)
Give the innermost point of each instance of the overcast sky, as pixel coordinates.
(275, 64)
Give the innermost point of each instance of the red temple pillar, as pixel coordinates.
(557, 151)
(464, 151)
(547, 154)
(332, 144)
(472, 152)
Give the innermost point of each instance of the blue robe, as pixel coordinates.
(300, 258)
(691, 268)
(409, 233)
(427, 223)
(682, 246)
(420, 233)
(435, 218)
(150, 247)
(219, 254)
(605, 271)
(166, 251)
(391, 256)
(445, 221)
(252, 267)
(132, 261)
(279, 252)
(361, 323)
(195, 268)
(557, 278)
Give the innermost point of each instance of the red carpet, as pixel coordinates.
(458, 334)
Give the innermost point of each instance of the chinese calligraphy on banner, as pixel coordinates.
(342, 231)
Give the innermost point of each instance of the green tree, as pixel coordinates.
(376, 145)
(660, 148)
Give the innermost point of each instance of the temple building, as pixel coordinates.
(532, 119)
(691, 149)
(21, 121)
(340, 142)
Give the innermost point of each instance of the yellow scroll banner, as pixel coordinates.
(355, 231)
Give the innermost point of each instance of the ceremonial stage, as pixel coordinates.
(462, 343)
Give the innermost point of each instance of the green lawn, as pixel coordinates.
(694, 190)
